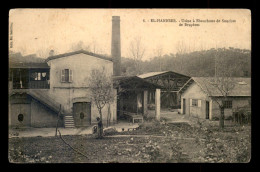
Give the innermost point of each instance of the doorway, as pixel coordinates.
(184, 106)
(207, 109)
(82, 113)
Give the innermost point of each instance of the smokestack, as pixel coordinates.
(116, 45)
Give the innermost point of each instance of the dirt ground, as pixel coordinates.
(152, 142)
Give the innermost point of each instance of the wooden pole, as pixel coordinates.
(157, 104)
(58, 121)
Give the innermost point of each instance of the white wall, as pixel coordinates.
(236, 102)
(81, 66)
(194, 92)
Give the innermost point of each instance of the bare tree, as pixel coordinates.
(95, 47)
(224, 83)
(101, 87)
(79, 46)
(137, 51)
(43, 53)
(181, 49)
(158, 52)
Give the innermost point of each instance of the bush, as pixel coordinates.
(151, 106)
(109, 131)
(229, 118)
(176, 152)
(215, 118)
(153, 150)
(242, 116)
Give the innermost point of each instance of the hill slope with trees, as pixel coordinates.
(197, 63)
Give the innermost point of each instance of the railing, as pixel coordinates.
(39, 85)
(30, 85)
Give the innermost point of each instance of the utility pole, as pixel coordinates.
(216, 63)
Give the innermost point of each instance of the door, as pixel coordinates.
(21, 115)
(82, 113)
(184, 106)
(207, 110)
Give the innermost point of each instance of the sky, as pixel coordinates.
(37, 31)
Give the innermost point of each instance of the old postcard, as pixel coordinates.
(129, 86)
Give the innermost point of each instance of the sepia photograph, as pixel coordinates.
(129, 85)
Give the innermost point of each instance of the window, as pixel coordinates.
(194, 102)
(228, 104)
(38, 76)
(66, 75)
(20, 117)
(246, 73)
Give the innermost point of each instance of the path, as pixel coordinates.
(50, 132)
(173, 117)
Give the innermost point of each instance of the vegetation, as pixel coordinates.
(152, 142)
(197, 63)
(101, 88)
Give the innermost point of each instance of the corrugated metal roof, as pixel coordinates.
(134, 81)
(242, 86)
(146, 75)
(151, 74)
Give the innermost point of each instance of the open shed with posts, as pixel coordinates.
(170, 82)
(132, 98)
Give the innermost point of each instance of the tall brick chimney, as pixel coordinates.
(116, 46)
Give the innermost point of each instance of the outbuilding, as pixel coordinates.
(199, 97)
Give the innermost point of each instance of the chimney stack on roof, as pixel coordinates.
(51, 53)
(116, 45)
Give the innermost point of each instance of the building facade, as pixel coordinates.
(38, 94)
(200, 98)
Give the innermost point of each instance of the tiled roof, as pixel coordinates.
(242, 86)
(28, 65)
(78, 52)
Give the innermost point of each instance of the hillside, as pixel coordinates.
(198, 63)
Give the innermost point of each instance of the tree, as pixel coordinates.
(158, 53)
(43, 53)
(137, 51)
(101, 87)
(182, 49)
(79, 46)
(224, 83)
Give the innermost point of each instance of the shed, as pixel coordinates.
(133, 96)
(170, 82)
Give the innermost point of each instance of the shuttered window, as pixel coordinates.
(199, 103)
(66, 75)
(70, 75)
